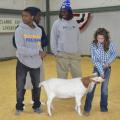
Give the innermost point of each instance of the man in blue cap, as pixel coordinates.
(65, 42)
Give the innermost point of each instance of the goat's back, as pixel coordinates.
(63, 88)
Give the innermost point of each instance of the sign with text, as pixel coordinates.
(8, 25)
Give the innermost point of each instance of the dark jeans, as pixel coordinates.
(21, 73)
(104, 93)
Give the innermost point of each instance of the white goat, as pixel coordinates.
(62, 88)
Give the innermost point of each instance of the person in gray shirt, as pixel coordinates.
(29, 59)
(65, 43)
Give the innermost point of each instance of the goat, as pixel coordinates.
(63, 88)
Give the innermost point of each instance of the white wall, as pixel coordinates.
(38, 3)
(21, 4)
(96, 3)
(109, 20)
(6, 46)
(55, 4)
(79, 4)
(12, 4)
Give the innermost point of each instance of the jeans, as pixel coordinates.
(104, 92)
(21, 73)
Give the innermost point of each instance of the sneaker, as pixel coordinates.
(37, 110)
(86, 113)
(18, 112)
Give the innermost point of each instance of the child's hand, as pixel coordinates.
(102, 76)
(105, 66)
(42, 54)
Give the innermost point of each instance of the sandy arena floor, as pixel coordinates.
(64, 109)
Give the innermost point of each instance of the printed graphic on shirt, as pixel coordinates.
(33, 39)
(68, 27)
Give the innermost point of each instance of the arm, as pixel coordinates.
(13, 40)
(53, 39)
(21, 47)
(112, 54)
(96, 61)
(44, 39)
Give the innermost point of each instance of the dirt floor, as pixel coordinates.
(63, 109)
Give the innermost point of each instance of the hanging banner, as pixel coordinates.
(8, 25)
(78, 16)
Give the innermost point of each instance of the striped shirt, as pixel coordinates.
(101, 57)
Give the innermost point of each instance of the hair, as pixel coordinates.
(33, 11)
(70, 14)
(105, 33)
(60, 16)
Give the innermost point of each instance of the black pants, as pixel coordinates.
(21, 73)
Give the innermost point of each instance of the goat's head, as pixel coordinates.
(86, 80)
(94, 81)
(91, 79)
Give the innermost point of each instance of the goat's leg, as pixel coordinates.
(49, 102)
(76, 108)
(78, 105)
(52, 108)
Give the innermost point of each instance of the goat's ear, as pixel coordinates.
(92, 80)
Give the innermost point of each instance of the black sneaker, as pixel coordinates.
(37, 110)
(18, 112)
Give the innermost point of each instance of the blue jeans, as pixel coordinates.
(104, 93)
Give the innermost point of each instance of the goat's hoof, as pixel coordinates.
(50, 114)
(80, 114)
